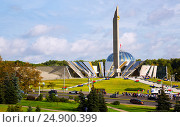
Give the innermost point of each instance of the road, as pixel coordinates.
(122, 99)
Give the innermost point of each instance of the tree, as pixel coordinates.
(102, 104)
(28, 75)
(177, 106)
(12, 93)
(93, 101)
(163, 102)
(2, 89)
(82, 103)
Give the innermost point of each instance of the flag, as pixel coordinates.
(147, 91)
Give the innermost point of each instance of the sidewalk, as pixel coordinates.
(117, 109)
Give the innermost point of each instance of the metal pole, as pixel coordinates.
(64, 80)
(89, 83)
(39, 88)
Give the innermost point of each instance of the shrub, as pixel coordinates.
(38, 109)
(116, 103)
(177, 107)
(133, 89)
(16, 108)
(76, 99)
(63, 100)
(40, 97)
(30, 97)
(70, 97)
(52, 98)
(29, 109)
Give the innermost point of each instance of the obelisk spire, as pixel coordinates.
(116, 41)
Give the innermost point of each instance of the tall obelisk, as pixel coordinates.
(116, 42)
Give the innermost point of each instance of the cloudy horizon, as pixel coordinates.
(82, 30)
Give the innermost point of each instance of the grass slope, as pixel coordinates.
(114, 85)
(134, 108)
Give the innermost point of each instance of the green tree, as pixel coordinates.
(163, 102)
(102, 104)
(177, 106)
(93, 101)
(12, 93)
(40, 97)
(82, 103)
(2, 89)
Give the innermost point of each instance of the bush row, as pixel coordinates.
(133, 89)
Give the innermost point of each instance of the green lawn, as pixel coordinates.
(3, 108)
(68, 82)
(134, 108)
(114, 85)
(71, 107)
(165, 82)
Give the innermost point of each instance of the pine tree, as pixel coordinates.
(102, 104)
(2, 93)
(83, 103)
(93, 101)
(12, 93)
(163, 102)
(177, 106)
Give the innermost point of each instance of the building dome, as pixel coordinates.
(123, 56)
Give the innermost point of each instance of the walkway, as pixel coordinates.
(117, 109)
(153, 83)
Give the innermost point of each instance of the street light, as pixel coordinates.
(171, 81)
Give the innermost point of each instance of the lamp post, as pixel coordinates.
(173, 75)
(39, 88)
(64, 81)
(89, 75)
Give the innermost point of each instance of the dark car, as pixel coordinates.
(113, 96)
(136, 101)
(53, 91)
(152, 98)
(73, 92)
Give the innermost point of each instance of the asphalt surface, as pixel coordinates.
(122, 99)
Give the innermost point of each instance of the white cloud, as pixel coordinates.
(3, 44)
(12, 47)
(38, 30)
(128, 38)
(51, 45)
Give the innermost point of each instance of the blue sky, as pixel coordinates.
(39, 30)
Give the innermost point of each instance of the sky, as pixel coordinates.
(40, 30)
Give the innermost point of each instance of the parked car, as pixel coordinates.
(152, 98)
(53, 91)
(136, 101)
(113, 96)
(73, 92)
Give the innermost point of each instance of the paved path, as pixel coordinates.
(117, 109)
(155, 84)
